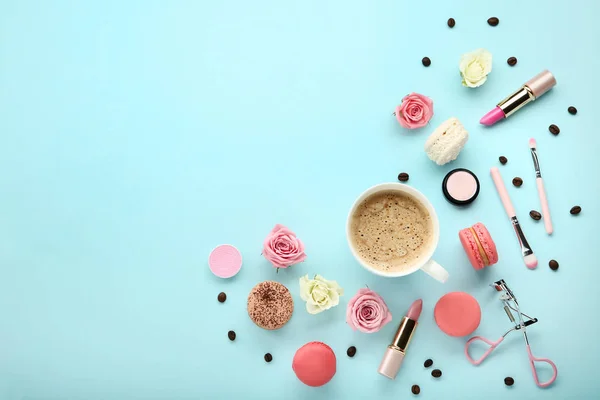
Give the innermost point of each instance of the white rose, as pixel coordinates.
(475, 67)
(319, 293)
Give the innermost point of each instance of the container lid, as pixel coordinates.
(460, 187)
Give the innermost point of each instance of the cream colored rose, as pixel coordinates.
(319, 293)
(475, 67)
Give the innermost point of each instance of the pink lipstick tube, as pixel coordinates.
(530, 91)
(394, 354)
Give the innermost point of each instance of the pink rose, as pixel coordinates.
(367, 312)
(282, 248)
(415, 111)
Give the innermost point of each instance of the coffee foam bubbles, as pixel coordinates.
(391, 230)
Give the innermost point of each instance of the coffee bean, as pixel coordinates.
(575, 210)
(493, 21)
(351, 351)
(554, 129)
(512, 61)
(508, 381)
(535, 215)
(428, 363)
(415, 389)
(451, 22)
(503, 160)
(426, 61)
(231, 335)
(268, 357)
(572, 110)
(553, 265)
(222, 297)
(436, 373)
(403, 177)
(517, 181)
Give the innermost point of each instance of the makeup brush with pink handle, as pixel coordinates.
(540, 187)
(528, 256)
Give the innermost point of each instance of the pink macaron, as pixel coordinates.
(457, 314)
(479, 246)
(314, 364)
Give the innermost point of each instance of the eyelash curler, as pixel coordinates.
(510, 303)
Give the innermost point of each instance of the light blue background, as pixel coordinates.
(138, 135)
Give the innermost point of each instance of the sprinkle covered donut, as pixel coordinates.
(270, 305)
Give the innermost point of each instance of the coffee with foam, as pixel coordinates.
(390, 230)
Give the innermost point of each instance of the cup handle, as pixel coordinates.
(436, 271)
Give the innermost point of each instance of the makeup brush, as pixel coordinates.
(540, 187)
(528, 256)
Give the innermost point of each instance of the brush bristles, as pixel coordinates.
(532, 143)
(530, 261)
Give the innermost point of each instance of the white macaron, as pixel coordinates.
(446, 142)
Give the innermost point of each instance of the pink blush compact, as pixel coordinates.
(460, 187)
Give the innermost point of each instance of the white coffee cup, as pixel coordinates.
(425, 263)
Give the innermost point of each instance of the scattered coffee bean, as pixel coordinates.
(231, 335)
(451, 22)
(503, 160)
(555, 130)
(493, 21)
(402, 176)
(351, 351)
(436, 373)
(508, 381)
(415, 389)
(572, 110)
(268, 357)
(553, 265)
(535, 215)
(575, 210)
(428, 363)
(512, 61)
(426, 61)
(222, 297)
(517, 181)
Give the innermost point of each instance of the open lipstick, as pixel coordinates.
(530, 91)
(392, 360)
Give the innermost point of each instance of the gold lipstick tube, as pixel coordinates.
(394, 354)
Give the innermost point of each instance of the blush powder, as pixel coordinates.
(460, 186)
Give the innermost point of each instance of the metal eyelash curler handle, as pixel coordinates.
(493, 345)
(533, 360)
